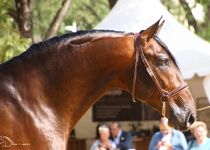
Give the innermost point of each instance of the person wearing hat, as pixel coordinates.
(167, 138)
(201, 141)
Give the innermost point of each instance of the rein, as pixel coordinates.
(165, 95)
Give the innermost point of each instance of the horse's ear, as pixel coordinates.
(159, 27)
(153, 29)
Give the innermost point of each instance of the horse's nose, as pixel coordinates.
(191, 119)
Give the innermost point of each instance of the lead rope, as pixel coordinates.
(200, 109)
(164, 109)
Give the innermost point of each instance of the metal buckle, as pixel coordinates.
(164, 97)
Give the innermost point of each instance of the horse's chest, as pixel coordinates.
(28, 129)
(39, 134)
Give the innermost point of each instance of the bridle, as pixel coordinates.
(165, 96)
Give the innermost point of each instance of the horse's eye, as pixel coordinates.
(163, 62)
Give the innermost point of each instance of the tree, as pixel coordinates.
(23, 16)
(94, 10)
(183, 12)
(25, 21)
(55, 24)
(190, 18)
(11, 43)
(205, 32)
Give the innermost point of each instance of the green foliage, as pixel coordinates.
(10, 42)
(176, 10)
(87, 13)
(43, 14)
(205, 33)
(204, 2)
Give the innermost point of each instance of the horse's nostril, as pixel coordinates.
(191, 119)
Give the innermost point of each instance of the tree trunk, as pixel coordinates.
(54, 26)
(23, 17)
(190, 18)
(112, 3)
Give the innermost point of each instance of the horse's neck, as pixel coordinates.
(98, 67)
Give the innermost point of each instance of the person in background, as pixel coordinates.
(201, 141)
(103, 143)
(122, 139)
(167, 138)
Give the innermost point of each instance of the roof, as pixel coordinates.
(191, 52)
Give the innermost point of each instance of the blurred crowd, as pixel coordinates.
(112, 137)
(169, 138)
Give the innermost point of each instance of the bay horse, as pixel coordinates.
(45, 90)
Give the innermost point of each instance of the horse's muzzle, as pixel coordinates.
(182, 122)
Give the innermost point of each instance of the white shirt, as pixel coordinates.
(117, 138)
(167, 138)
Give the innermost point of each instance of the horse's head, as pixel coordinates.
(162, 79)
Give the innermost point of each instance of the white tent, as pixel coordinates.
(191, 52)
